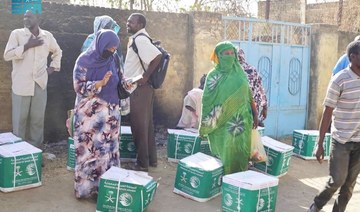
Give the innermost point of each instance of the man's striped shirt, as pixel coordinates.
(343, 95)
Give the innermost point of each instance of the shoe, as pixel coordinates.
(313, 208)
(154, 165)
(137, 167)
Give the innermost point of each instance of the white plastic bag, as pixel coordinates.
(258, 153)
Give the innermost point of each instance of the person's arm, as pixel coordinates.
(55, 57)
(151, 68)
(324, 126)
(263, 99)
(149, 54)
(254, 114)
(85, 87)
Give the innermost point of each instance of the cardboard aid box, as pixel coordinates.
(279, 155)
(127, 145)
(305, 143)
(20, 166)
(8, 138)
(198, 177)
(70, 165)
(125, 190)
(249, 191)
(183, 143)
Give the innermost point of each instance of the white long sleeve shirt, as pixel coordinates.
(29, 67)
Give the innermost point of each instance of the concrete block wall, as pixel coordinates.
(70, 24)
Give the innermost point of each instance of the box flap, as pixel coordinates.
(125, 130)
(17, 149)
(127, 176)
(8, 137)
(251, 180)
(202, 161)
(276, 145)
(182, 132)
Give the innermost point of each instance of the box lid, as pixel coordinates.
(202, 161)
(8, 137)
(18, 149)
(183, 132)
(310, 132)
(125, 130)
(251, 180)
(276, 145)
(127, 176)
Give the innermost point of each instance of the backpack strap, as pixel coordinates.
(136, 50)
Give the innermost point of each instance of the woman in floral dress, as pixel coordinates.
(96, 115)
(228, 110)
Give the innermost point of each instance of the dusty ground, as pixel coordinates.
(295, 194)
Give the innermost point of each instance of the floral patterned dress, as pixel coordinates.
(96, 134)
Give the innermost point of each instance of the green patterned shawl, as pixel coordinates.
(226, 117)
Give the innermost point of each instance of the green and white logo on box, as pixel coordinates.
(117, 192)
(248, 192)
(199, 177)
(305, 141)
(127, 145)
(279, 155)
(71, 154)
(20, 166)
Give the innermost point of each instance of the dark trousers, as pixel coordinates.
(344, 168)
(142, 128)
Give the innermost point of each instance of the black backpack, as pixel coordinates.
(158, 76)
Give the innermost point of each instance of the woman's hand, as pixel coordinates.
(255, 121)
(104, 81)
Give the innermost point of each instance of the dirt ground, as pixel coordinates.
(296, 189)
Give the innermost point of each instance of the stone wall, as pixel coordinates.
(188, 37)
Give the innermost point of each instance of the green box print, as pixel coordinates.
(199, 183)
(127, 148)
(127, 145)
(304, 142)
(243, 200)
(124, 196)
(70, 165)
(21, 169)
(279, 156)
(249, 191)
(181, 144)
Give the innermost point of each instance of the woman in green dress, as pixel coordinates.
(228, 110)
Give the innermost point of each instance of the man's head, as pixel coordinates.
(31, 20)
(135, 22)
(353, 53)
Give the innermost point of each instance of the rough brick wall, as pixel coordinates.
(71, 24)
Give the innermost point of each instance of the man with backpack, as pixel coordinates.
(141, 62)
